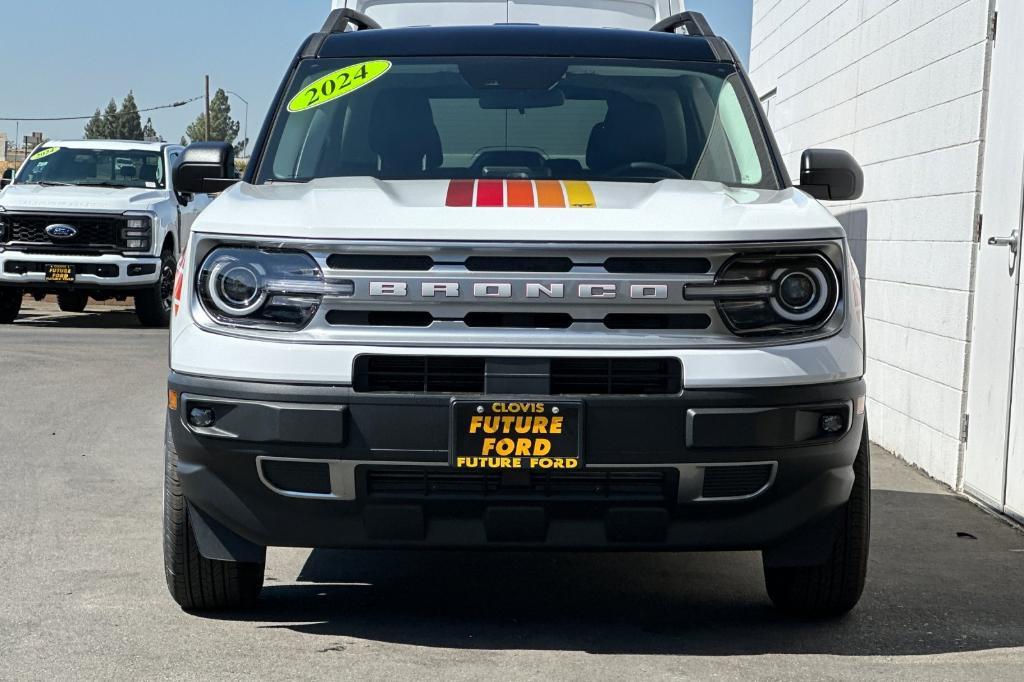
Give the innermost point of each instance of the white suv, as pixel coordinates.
(518, 287)
(97, 219)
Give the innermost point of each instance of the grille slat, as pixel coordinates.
(515, 320)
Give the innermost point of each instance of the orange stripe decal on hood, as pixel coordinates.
(520, 194)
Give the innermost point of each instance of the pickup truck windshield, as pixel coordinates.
(517, 117)
(94, 168)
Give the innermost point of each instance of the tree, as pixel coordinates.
(149, 132)
(110, 116)
(223, 128)
(96, 128)
(129, 122)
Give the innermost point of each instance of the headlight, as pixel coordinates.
(261, 288)
(769, 294)
(137, 235)
(3, 226)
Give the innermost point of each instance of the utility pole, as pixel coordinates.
(245, 140)
(207, 108)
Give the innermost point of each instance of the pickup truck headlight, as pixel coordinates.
(260, 288)
(3, 226)
(774, 294)
(137, 235)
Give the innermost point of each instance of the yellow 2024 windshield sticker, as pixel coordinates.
(44, 153)
(338, 84)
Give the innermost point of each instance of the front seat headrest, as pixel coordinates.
(403, 134)
(631, 132)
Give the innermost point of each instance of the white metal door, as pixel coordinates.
(1015, 456)
(991, 397)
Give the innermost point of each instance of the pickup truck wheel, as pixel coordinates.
(72, 301)
(195, 582)
(153, 306)
(833, 588)
(10, 305)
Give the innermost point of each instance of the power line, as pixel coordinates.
(90, 116)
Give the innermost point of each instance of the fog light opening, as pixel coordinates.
(832, 424)
(201, 416)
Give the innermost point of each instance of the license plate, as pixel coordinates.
(60, 273)
(514, 434)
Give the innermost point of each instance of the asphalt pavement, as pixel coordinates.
(82, 592)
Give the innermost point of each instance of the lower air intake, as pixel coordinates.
(730, 482)
(583, 486)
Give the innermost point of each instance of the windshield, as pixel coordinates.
(533, 118)
(94, 168)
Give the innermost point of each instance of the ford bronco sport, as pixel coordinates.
(94, 219)
(517, 287)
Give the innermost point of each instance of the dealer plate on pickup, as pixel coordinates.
(516, 434)
(60, 273)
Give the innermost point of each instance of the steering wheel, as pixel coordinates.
(646, 168)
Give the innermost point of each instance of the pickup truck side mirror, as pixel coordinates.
(205, 168)
(8, 178)
(831, 175)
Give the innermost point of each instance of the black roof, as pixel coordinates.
(521, 40)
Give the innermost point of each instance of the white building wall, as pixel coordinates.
(898, 83)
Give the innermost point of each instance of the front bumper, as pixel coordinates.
(323, 466)
(93, 272)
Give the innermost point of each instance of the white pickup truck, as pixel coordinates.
(94, 219)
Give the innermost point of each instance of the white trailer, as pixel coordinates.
(638, 14)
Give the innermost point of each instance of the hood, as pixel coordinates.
(521, 210)
(105, 199)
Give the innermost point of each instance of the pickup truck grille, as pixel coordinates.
(95, 232)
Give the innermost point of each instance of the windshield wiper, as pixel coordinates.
(52, 183)
(102, 184)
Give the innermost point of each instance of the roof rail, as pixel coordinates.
(692, 23)
(337, 22)
(341, 19)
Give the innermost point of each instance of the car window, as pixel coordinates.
(517, 117)
(94, 167)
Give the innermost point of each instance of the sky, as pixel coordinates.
(68, 57)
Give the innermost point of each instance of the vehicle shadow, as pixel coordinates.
(110, 318)
(931, 591)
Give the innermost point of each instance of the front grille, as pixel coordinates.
(736, 481)
(583, 486)
(94, 231)
(566, 376)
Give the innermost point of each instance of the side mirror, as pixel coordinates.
(205, 168)
(8, 178)
(831, 175)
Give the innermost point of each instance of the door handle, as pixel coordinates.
(1013, 241)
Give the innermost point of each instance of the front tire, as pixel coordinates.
(153, 306)
(833, 588)
(72, 301)
(10, 305)
(195, 582)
